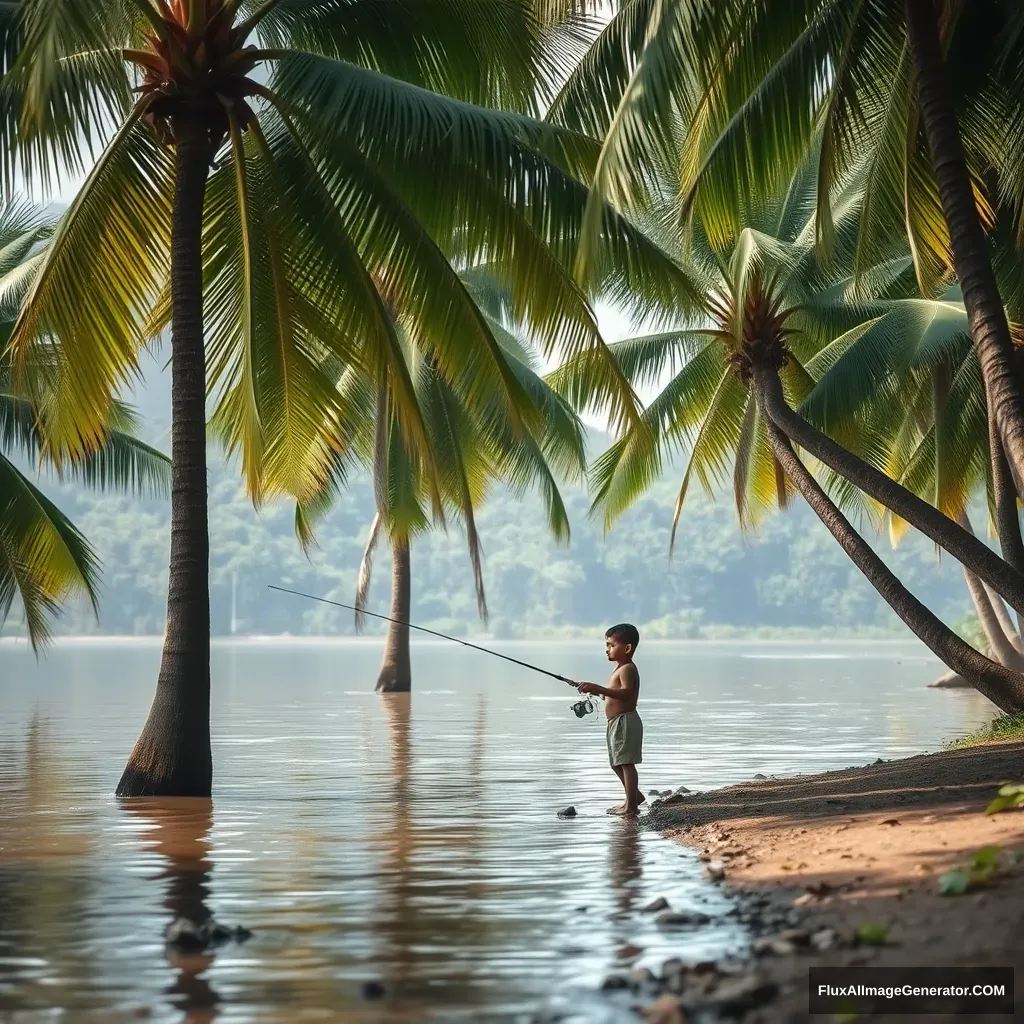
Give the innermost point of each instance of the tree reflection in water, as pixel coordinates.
(181, 837)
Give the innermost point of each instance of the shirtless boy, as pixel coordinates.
(625, 730)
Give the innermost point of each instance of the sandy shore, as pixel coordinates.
(815, 858)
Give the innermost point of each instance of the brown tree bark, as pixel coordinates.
(1003, 687)
(971, 261)
(172, 756)
(971, 552)
(396, 667)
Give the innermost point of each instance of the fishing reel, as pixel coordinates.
(583, 707)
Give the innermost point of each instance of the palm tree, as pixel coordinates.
(777, 322)
(265, 169)
(471, 451)
(44, 559)
(748, 86)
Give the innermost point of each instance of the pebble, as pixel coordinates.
(824, 939)
(665, 1009)
(677, 919)
(372, 990)
(773, 945)
(659, 903)
(567, 812)
(715, 870)
(188, 936)
(614, 982)
(642, 977)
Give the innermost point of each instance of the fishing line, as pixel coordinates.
(579, 709)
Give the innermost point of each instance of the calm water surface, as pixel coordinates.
(412, 841)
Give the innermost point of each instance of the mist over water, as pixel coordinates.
(411, 841)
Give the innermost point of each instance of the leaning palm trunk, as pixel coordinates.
(1011, 544)
(995, 622)
(172, 756)
(1002, 686)
(396, 668)
(967, 549)
(990, 331)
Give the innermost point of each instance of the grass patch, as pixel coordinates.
(1005, 727)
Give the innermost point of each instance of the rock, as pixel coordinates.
(773, 945)
(676, 919)
(187, 936)
(567, 812)
(615, 982)
(879, 761)
(798, 936)
(824, 939)
(184, 934)
(664, 1010)
(735, 996)
(680, 791)
(371, 990)
(658, 903)
(672, 798)
(761, 778)
(673, 965)
(715, 870)
(641, 977)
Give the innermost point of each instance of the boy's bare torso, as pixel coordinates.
(626, 679)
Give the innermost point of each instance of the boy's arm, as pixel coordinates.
(629, 680)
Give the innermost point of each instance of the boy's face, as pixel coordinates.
(615, 649)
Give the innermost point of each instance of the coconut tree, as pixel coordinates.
(471, 451)
(776, 321)
(271, 179)
(750, 84)
(44, 559)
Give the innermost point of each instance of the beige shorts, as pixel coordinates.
(625, 739)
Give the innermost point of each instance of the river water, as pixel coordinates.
(413, 842)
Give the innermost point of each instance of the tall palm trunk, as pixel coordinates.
(970, 551)
(172, 756)
(1003, 639)
(971, 262)
(396, 668)
(1011, 544)
(1003, 687)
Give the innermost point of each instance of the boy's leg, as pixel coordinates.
(619, 808)
(630, 782)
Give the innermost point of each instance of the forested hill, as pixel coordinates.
(791, 574)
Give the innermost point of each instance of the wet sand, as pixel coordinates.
(816, 857)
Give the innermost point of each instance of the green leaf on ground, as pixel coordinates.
(954, 883)
(1009, 798)
(873, 934)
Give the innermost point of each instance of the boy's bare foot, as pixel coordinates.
(617, 809)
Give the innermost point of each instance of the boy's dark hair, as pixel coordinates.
(625, 632)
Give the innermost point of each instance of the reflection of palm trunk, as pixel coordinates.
(396, 669)
(182, 839)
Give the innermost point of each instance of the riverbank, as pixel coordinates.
(844, 868)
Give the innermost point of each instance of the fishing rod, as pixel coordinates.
(443, 636)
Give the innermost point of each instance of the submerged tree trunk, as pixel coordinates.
(971, 261)
(172, 756)
(1004, 688)
(971, 552)
(396, 668)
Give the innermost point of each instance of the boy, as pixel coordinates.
(625, 730)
